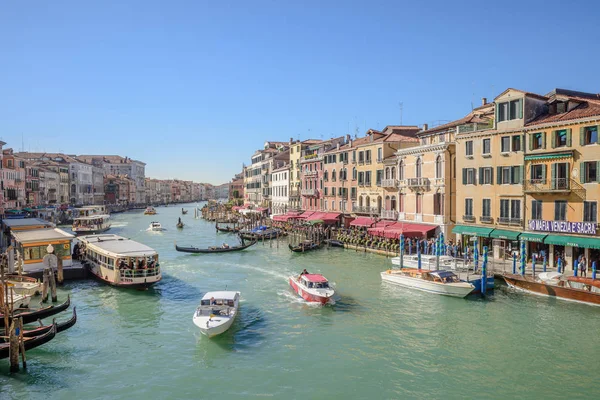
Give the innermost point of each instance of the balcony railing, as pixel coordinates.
(550, 185)
(353, 196)
(361, 162)
(310, 173)
(438, 182)
(389, 214)
(309, 192)
(389, 183)
(417, 182)
(475, 127)
(365, 210)
(510, 221)
(468, 218)
(368, 161)
(486, 219)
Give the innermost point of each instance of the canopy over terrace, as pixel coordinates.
(394, 230)
(285, 217)
(363, 221)
(328, 218)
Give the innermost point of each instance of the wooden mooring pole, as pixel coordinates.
(53, 286)
(59, 268)
(45, 284)
(13, 349)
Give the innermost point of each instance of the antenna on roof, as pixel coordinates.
(401, 105)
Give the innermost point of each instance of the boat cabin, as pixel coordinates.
(314, 281)
(213, 303)
(33, 245)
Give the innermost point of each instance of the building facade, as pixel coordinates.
(280, 186)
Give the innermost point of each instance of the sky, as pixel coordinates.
(193, 88)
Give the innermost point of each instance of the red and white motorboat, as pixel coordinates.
(312, 287)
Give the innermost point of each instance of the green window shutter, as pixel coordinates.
(464, 176)
(553, 139)
(598, 131)
(521, 171)
(531, 137)
(597, 171)
(492, 174)
(582, 136)
(543, 140)
(474, 177)
(569, 137)
(553, 176)
(582, 172)
(544, 166)
(522, 146)
(520, 109)
(481, 175)
(499, 175)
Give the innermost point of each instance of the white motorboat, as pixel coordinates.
(24, 285)
(312, 287)
(216, 312)
(155, 226)
(439, 282)
(18, 300)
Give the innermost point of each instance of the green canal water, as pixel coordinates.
(377, 342)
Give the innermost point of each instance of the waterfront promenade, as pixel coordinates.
(377, 341)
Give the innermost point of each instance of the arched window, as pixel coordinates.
(438, 167)
(418, 168)
(401, 170)
(333, 175)
(387, 173)
(360, 201)
(393, 203)
(332, 204)
(325, 175)
(368, 202)
(353, 173)
(387, 202)
(393, 172)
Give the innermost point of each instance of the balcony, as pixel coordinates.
(389, 214)
(345, 162)
(361, 162)
(417, 183)
(557, 185)
(389, 183)
(343, 195)
(365, 210)
(510, 221)
(312, 157)
(475, 127)
(468, 218)
(368, 161)
(486, 219)
(353, 196)
(309, 192)
(310, 173)
(438, 182)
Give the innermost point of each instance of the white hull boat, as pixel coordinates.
(216, 312)
(155, 227)
(438, 282)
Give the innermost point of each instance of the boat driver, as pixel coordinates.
(304, 272)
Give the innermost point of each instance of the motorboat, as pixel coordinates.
(216, 312)
(155, 226)
(150, 211)
(447, 263)
(120, 261)
(89, 225)
(555, 284)
(18, 301)
(24, 285)
(439, 282)
(312, 287)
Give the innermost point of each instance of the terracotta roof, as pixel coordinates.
(588, 108)
(530, 94)
(473, 116)
(397, 137)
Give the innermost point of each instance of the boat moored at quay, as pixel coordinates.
(439, 282)
(120, 261)
(555, 284)
(89, 225)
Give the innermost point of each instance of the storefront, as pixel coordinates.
(467, 235)
(535, 246)
(505, 243)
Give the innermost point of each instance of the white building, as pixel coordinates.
(280, 186)
(82, 184)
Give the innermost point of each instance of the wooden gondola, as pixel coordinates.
(60, 327)
(261, 235)
(214, 249)
(304, 246)
(32, 315)
(28, 342)
(183, 212)
(227, 229)
(180, 225)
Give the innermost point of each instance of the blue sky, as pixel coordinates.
(194, 87)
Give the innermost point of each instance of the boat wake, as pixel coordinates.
(275, 274)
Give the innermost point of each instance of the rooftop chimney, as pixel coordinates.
(291, 140)
(425, 127)
(347, 138)
(371, 137)
(338, 145)
(483, 101)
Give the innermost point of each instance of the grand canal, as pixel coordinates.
(378, 341)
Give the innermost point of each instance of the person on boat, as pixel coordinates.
(304, 272)
(213, 302)
(179, 221)
(76, 251)
(225, 246)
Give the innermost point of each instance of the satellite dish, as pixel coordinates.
(575, 173)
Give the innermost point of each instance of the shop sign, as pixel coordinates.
(584, 228)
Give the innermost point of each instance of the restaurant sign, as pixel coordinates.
(584, 228)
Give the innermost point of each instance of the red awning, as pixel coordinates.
(306, 214)
(331, 216)
(261, 209)
(236, 208)
(315, 216)
(280, 218)
(363, 221)
(413, 230)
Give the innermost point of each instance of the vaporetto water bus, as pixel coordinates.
(120, 261)
(92, 224)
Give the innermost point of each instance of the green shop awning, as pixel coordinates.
(533, 237)
(548, 156)
(574, 241)
(504, 234)
(472, 230)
